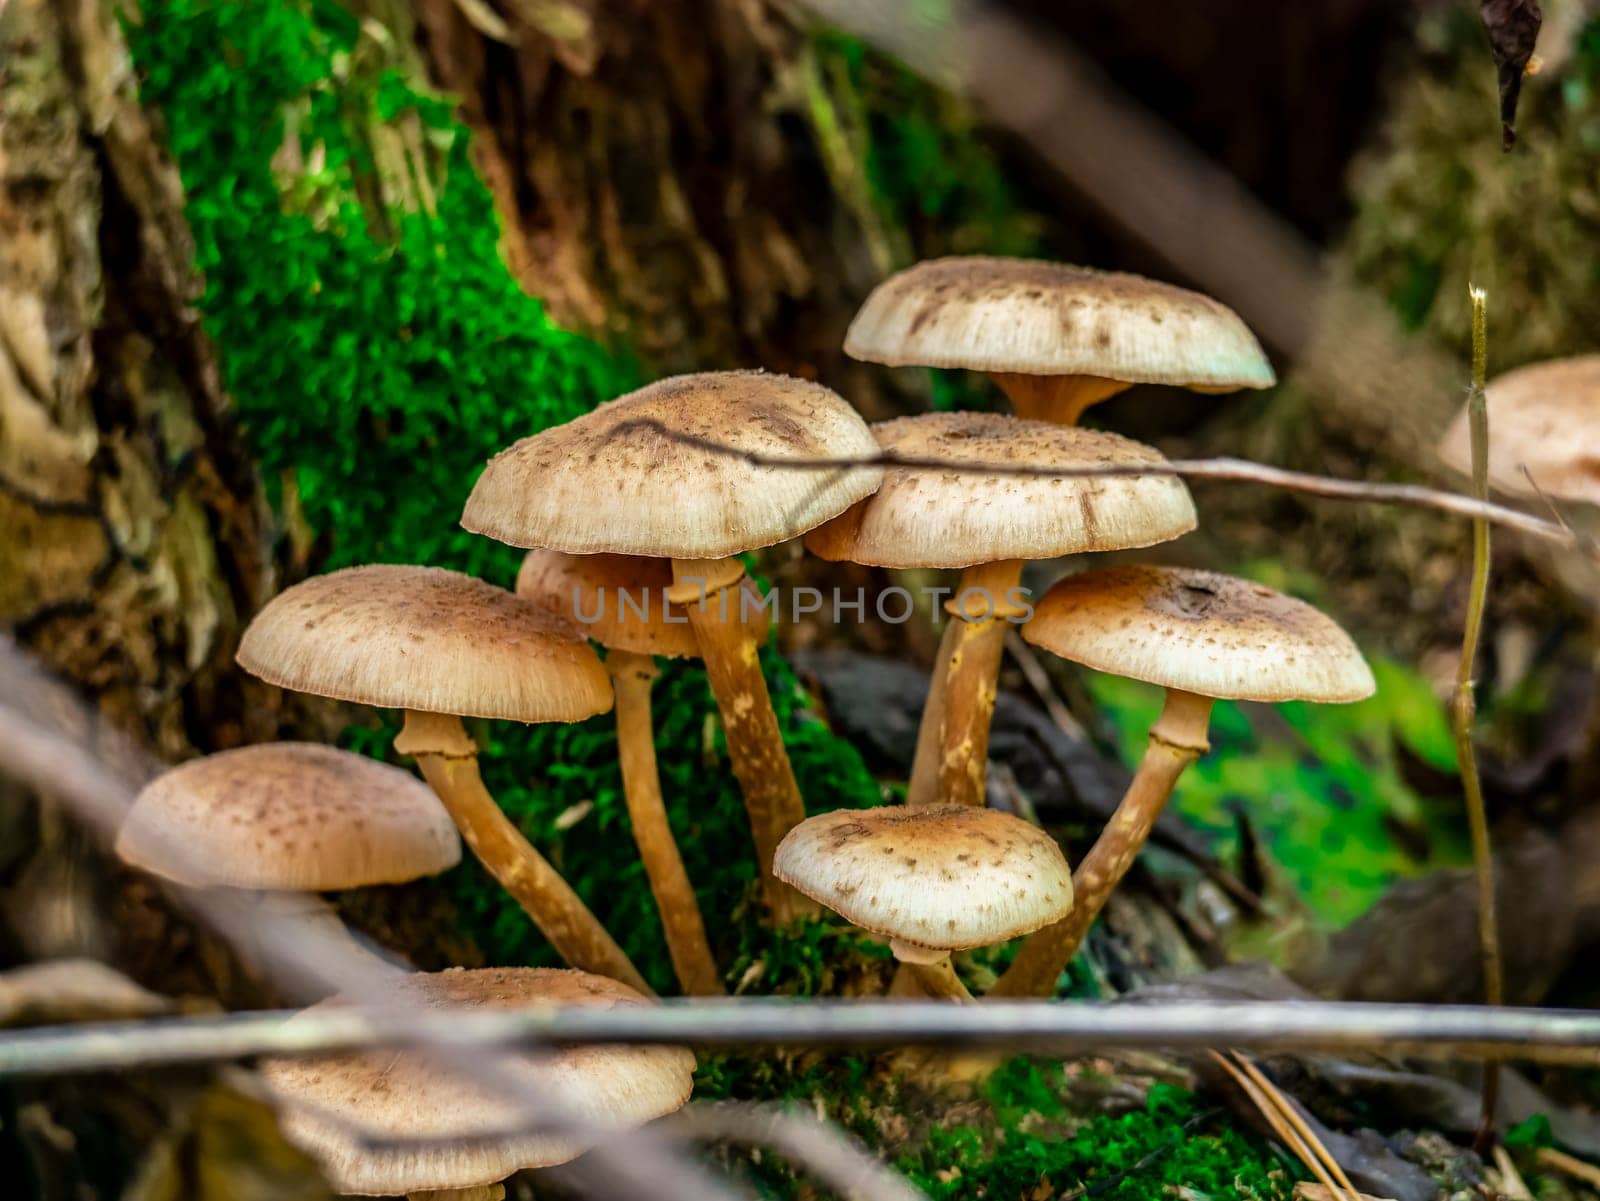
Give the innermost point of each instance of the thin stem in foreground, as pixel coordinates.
(1463, 709)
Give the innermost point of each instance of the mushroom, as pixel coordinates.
(442, 646)
(1054, 337)
(671, 471)
(1546, 422)
(288, 820)
(620, 602)
(353, 1113)
(1201, 636)
(931, 879)
(987, 525)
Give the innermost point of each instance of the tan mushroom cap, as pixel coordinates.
(1038, 318)
(620, 601)
(1197, 631)
(288, 816)
(426, 639)
(941, 876)
(925, 517)
(395, 1095)
(599, 483)
(1545, 416)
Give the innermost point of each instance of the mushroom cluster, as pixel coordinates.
(634, 517)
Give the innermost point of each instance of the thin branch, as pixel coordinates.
(1228, 469)
(1463, 709)
(1550, 1036)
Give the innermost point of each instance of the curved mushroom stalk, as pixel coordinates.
(690, 950)
(483, 1192)
(933, 971)
(709, 591)
(979, 613)
(1176, 740)
(1059, 399)
(448, 758)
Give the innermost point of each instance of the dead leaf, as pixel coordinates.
(1513, 27)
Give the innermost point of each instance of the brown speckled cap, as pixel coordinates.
(1038, 318)
(927, 517)
(940, 876)
(1545, 417)
(426, 639)
(604, 483)
(1197, 631)
(620, 601)
(395, 1096)
(289, 816)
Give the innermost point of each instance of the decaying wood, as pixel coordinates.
(135, 528)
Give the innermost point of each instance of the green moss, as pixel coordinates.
(379, 352)
(1019, 1137)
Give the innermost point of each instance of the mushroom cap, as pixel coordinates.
(1038, 318)
(925, 517)
(288, 816)
(599, 483)
(426, 639)
(620, 601)
(1545, 416)
(1201, 632)
(400, 1095)
(942, 876)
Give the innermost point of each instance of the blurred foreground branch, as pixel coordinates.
(1549, 1036)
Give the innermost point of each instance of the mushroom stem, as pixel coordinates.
(980, 612)
(1176, 740)
(631, 675)
(932, 970)
(449, 761)
(482, 1192)
(923, 786)
(709, 591)
(1059, 399)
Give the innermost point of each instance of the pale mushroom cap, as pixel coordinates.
(1038, 318)
(1197, 631)
(288, 816)
(426, 639)
(620, 601)
(1545, 416)
(926, 517)
(601, 484)
(941, 876)
(395, 1095)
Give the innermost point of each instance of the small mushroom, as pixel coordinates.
(354, 1113)
(1201, 636)
(620, 602)
(988, 525)
(1055, 338)
(1546, 423)
(286, 821)
(931, 879)
(442, 646)
(643, 475)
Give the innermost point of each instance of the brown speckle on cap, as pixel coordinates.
(929, 517)
(1039, 318)
(426, 639)
(924, 866)
(1200, 632)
